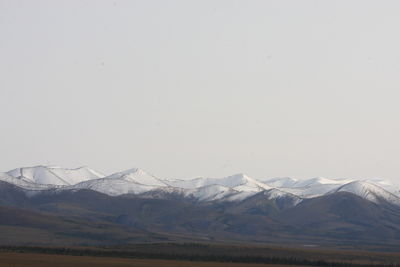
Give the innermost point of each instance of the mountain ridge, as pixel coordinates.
(232, 188)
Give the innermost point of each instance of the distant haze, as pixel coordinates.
(212, 88)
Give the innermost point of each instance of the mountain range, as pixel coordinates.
(53, 205)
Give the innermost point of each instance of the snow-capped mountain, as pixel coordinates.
(132, 181)
(280, 182)
(387, 185)
(308, 188)
(54, 175)
(369, 191)
(232, 188)
(22, 183)
(112, 186)
(310, 191)
(138, 176)
(239, 182)
(320, 186)
(276, 194)
(236, 206)
(321, 181)
(211, 192)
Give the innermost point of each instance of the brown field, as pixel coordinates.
(8, 259)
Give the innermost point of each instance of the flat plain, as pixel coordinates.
(8, 259)
(194, 254)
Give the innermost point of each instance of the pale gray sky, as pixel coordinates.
(187, 88)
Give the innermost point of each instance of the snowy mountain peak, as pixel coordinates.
(136, 171)
(211, 192)
(321, 181)
(242, 182)
(54, 175)
(237, 179)
(238, 182)
(139, 176)
(276, 194)
(369, 191)
(279, 181)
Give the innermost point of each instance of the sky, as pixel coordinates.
(202, 88)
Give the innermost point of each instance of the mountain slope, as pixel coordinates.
(344, 216)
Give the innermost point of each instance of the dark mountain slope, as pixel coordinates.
(262, 204)
(345, 216)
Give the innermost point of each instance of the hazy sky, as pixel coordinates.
(212, 88)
